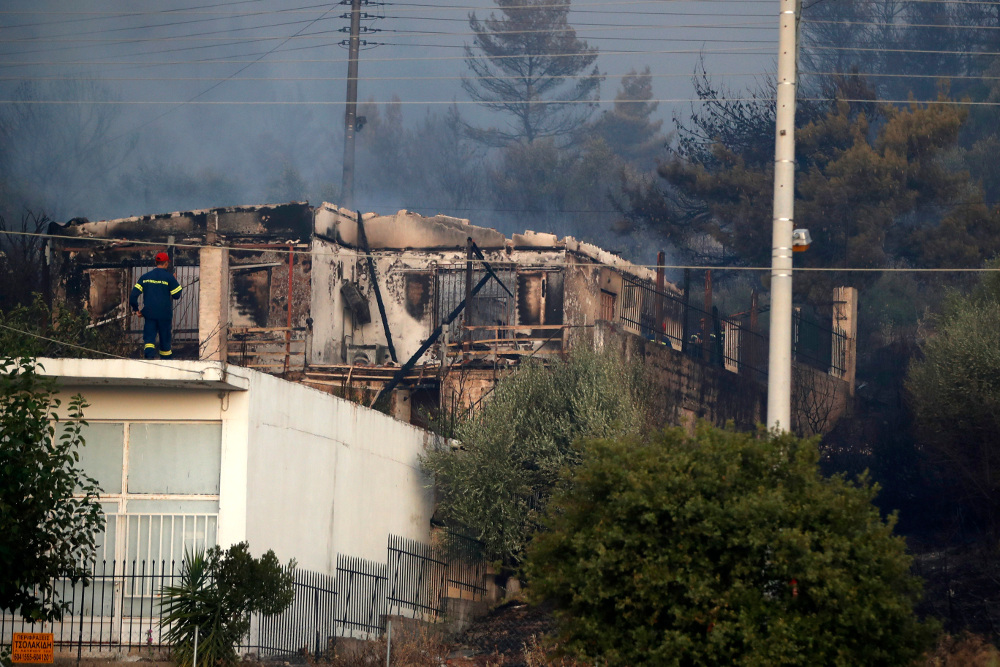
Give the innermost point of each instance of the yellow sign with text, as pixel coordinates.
(31, 647)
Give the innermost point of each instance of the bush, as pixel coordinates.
(966, 650)
(955, 395)
(723, 549)
(49, 509)
(513, 450)
(217, 593)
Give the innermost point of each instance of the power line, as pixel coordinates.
(113, 14)
(674, 100)
(210, 35)
(968, 77)
(383, 102)
(412, 33)
(194, 99)
(399, 78)
(302, 61)
(880, 24)
(417, 254)
(879, 49)
(92, 350)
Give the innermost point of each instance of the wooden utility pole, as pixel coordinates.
(351, 113)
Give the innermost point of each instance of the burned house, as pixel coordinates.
(431, 311)
(245, 273)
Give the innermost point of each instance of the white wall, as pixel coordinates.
(302, 472)
(328, 476)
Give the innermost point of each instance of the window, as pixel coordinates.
(159, 487)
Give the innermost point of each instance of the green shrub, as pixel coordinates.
(723, 548)
(513, 450)
(217, 593)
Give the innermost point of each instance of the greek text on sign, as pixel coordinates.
(31, 647)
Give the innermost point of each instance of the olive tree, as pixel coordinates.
(513, 449)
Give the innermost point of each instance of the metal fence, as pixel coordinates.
(121, 606)
(417, 579)
(727, 342)
(308, 625)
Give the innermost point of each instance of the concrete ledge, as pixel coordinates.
(144, 373)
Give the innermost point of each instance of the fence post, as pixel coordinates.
(660, 260)
(684, 318)
(316, 617)
(194, 658)
(706, 324)
(79, 645)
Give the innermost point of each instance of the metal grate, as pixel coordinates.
(121, 607)
(492, 305)
(185, 326)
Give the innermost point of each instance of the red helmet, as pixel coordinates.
(161, 257)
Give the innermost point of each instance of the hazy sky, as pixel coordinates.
(172, 63)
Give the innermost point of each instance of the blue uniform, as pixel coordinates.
(158, 288)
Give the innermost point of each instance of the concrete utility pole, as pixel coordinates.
(351, 113)
(779, 370)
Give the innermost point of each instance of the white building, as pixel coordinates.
(194, 453)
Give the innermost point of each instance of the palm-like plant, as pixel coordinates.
(197, 602)
(217, 593)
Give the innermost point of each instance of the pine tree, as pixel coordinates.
(523, 63)
(629, 128)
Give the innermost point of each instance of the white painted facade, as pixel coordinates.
(211, 453)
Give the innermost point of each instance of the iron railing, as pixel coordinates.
(416, 578)
(308, 625)
(492, 305)
(466, 566)
(273, 350)
(120, 607)
(185, 309)
(727, 342)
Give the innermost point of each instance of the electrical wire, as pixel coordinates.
(251, 103)
(879, 49)
(194, 100)
(393, 59)
(211, 35)
(413, 78)
(416, 254)
(969, 77)
(104, 15)
(879, 24)
(325, 35)
(674, 100)
(101, 352)
(963, 77)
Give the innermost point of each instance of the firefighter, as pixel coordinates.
(157, 288)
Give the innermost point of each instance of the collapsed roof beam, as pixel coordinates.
(489, 269)
(363, 242)
(411, 362)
